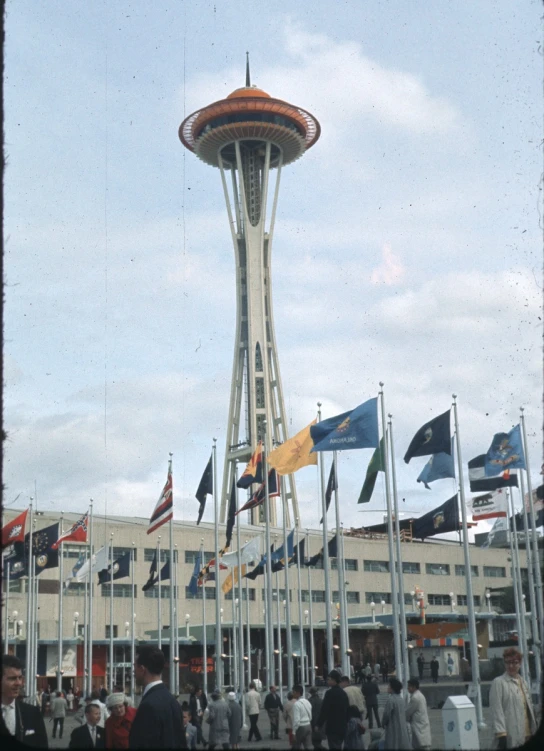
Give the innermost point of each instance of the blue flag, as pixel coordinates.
(505, 452)
(193, 584)
(279, 555)
(439, 467)
(357, 429)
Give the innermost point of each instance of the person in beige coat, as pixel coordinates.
(253, 706)
(418, 717)
(354, 694)
(512, 713)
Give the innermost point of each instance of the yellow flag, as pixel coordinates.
(294, 453)
(232, 579)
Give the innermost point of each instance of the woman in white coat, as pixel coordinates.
(512, 713)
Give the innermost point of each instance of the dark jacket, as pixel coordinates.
(334, 711)
(81, 738)
(273, 701)
(29, 725)
(158, 722)
(370, 691)
(192, 707)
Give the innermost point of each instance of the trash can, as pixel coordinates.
(459, 722)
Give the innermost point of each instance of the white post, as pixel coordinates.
(326, 564)
(110, 681)
(132, 620)
(532, 586)
(288, 633)
(29, 610)
(90, 611)
(312, 644)
(268, 572)
(218, 629)
(171, 642)
(516, 575)
(340, 570)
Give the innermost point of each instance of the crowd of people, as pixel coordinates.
(338, 717)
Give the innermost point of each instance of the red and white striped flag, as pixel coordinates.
(76, 533)
(164, 510)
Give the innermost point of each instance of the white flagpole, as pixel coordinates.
(516, 575)
(280, 652)
(394, 593)
(300, 621)
(234, 654)
(110, 677)
(531, 582)
(468, 578)
(248, 633)
(176, 621)
(29, 610)
(218, 629)
(172, 588)
(340, 570)
(6, 612)
(326, 569)
(310, 609)
(268, 589)
(132, 618)
(61, 588)
(400, 573)
(85, 627)
(240, 602)
(90, 629)
(345, 621)
(32, 693)
(288, 633)
(159, 609)
(204, 633)
(267, 647)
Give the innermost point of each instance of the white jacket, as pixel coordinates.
(418, 718)
(506, 703)
(253, 702)
(302, 713)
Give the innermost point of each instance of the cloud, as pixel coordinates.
(391, 272)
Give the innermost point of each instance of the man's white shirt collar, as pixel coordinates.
(150, 685)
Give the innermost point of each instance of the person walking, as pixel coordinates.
(434, 669)
(512, 713)
(394, 719)
(70, 699)
(370, 690)
(334, 711)
(354, 730)
(417, 716)
(354, 694)
(318, 736)
(302, 719)
(253, 706)
(235, 721)
(120, 720)
(197, 706)
(273, 706)
(420, 665)
(377, 670)
(22, 721)
(59, 706)
(158, 723)
(367, 671)
(288, 717)
(218, 720)
(385, 670)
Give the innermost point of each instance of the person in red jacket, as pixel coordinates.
(119, 722)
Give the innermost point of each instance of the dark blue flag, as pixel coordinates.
(231, 516)
(279, 554)
(445, 518)
(357, 429)
(121, 569)
(205, 488)
(333, 552)
(193, 584)
(505, 452)
(432, 438)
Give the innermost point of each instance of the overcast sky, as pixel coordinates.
(407, 247)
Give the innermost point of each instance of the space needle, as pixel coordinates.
(250, 136)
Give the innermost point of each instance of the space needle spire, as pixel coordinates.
(250, 137)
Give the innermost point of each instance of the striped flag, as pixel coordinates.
(164, 510)
(76, 533)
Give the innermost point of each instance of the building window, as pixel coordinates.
(318, 564)
(149, 554)
(259, 393)
(165, 592)
(74, 551)
(258, 358)
(462, 600)
(460, 570)
(119, 590)
(496, 572)
(282, 595)
(439, 600)
(192, 555)
(118, 552)
(477, 600)
(411, 567)
(16, 585)
(76, 589)
(353, 598)
(350, 564)
(377, 566)
(377, 597)
(228, 596)
(437, 569)
(408, 599)
(318, 595)
(210, 593)
(495, 601)
(108, 631)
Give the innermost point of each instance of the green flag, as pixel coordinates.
(376, 465)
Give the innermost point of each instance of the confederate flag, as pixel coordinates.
(76, 533)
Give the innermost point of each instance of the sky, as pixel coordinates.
(407, 246)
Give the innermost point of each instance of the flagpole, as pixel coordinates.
(301, 622)
(110, 677)
(288, 633)
(29, 611)
(531, 581)
(85, 627)
(234, 655)
(204, 632)
(516, 572)
(345, 606)
(36, 639)
(280, 652)
(400, 573)
(218, 629)
(267, 647)
(326, 570)
(132, 618)
(240, 602)
(534, 535)
(468, 578)
(312, 645)
(268, 614)
(90, 629)
(394, 594)
(510, 526)
(159, 610)
(340, 569)
(172, 587)
(6, 612)
(248, 632)
(176, 621)
(61, 588)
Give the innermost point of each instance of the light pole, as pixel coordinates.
(373, 608)
(187, 619)
(413, 596)
(452, 602)
(488, 598)
(383, 607)
(76, 619)
(127, 630)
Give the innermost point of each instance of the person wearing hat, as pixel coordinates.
(235, 720)
(119, 722)
(334, 711)
(218, 720)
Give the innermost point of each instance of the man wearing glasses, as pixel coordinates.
(512, 712)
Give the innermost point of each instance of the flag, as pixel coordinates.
(211, 567)
(152, 571)
(259, 496)
(498, 530)
(439, 467)
(231, 514)
(538, 499)
(232, 578)
(14, 531)
(299, 552)
(163, 575)
(259, 569)
(164, 510)
(505, 452)
(251, 551)
(76, 533)
(279, 553)
(254, 470)
(331, 486)
(357, 429)
(75, 569)
(489, 506)
(432, 438)
(376, 464)
(99, 560)
(294, 454)
(479, 482)
(205, 488)
(193, 583)
(445, 518)
(17, 562)
(121, 569)
(332, 548)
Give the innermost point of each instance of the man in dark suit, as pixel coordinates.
(89, 735)
(23, 721)
(158, 722)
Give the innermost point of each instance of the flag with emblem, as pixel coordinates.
(432, 438)
(254, 470)
(444, 518)
(205, 488)
(294, 454)
(489, 506)
(505, 452)
(259, 496)
(76, 533)
(164, 510)
(14, 531)
(42, 546)
(356, 429)
(480, 482)
(121, 569)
